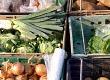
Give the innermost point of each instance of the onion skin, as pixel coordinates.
(9, 74)
(10, 79)
(29, 69)
(21, 77)
(33, 77)
(44, 77)
(88, 78)
(40, 69)
(17, 68)
(102, 78)
(3, 74)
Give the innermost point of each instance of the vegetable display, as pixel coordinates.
(33, 33)
(100, 42)
(22, 71)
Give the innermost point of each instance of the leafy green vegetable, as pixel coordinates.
(96, 45)
(47, 46)
(42, 23)
(25, 49)
(100, 42)
(107, 46)
(37, 32)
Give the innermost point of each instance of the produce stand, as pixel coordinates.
(87, 62)
(26, 57)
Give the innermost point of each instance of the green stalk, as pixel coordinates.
(37, 14)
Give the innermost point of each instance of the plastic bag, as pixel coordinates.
(4, 5)
(36, 5)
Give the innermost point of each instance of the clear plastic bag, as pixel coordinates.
(5, 4)
(36, 5)
(17, 6)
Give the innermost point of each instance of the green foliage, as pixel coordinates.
(42, 23)
(36, 32)
(96, 45)
(60, 2)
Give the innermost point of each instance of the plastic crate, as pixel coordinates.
(82, 28)
(23, 58)
(82, 68)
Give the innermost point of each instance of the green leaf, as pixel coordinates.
(38, 28)
(36, 31)
(49, 26)
(25, 33)
(60, 2)
(96, 45)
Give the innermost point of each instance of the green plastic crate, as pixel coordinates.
(82, 29)
(23, 58)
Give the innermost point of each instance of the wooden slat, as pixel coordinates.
(8, 17)
(90, 12)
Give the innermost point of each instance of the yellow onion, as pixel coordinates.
(2, 74)
(33, 77)
(9, 73)
(88, 78)
(17, 68)
(10, 79)
(21, 77)
(103, 78)
(40, 69)
(29, 69)
(44, 77)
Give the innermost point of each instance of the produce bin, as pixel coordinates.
(82, 29)
(88, 68)
(85, 24)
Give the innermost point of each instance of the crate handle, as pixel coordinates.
(10, 17)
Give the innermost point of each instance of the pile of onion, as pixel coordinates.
(19, 71)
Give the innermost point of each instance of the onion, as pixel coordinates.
(88, 78)
(102, 78)
(40, 69)
(29, 69)
(21, 77)
(17, 68)
(9, 73)
(44, 77)
(2, 74)
(10, 79)
(33, 77)
(6, 68)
